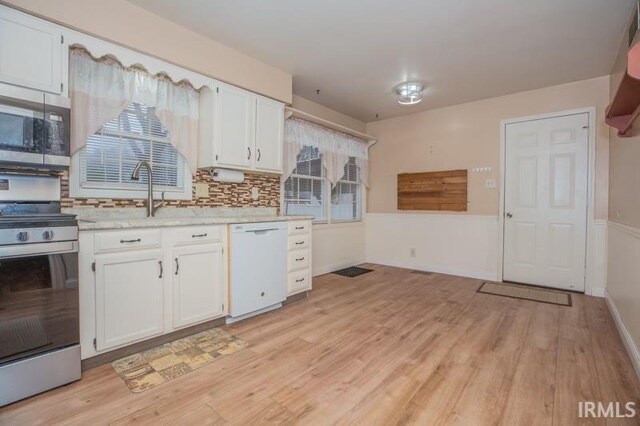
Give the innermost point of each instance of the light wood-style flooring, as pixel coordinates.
(388, 347)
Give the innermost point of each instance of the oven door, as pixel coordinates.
(38, 299)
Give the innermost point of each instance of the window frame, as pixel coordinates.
(327, 188)
(79, 189)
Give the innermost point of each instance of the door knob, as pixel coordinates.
(509, 215)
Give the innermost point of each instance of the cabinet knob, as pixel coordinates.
(509, 215)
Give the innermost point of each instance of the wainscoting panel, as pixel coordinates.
(337, 246)
(623, 285)
(465, 245)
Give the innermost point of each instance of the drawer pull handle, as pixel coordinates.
(299, 259)
(177, 266)
(199, 235)
(161, 269)
(300, 280)
(299, 228)
(130, 241)
(299, 242)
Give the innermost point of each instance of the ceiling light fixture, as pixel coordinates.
(409, 93)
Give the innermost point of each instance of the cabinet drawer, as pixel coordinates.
(297, 242)
(198, 234)
(106, 242)
(298, 281)
(297, 260)
(299, 227)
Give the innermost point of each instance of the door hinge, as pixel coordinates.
(217, 90)
(95, 344)
(61, 39)
(222, 250)
(93, 266)
(223, 307)
(61, 87)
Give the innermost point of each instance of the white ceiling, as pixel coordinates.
(356, 51)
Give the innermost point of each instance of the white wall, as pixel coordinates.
(623, 287)
(464, 245)
(337, 246)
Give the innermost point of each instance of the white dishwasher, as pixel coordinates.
(258, 268)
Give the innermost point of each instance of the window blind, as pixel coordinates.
(304, 189)
(135, 135)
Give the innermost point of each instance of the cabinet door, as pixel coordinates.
(198, 283)
(129, 297)
(269, 134)
(234, 127)
(30, 52)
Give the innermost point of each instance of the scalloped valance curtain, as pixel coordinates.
(102, 89)
(335, 148)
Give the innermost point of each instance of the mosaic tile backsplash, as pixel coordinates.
(220, 194)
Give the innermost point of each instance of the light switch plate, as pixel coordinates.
(202, 190)
(255, 193)
(490, 183)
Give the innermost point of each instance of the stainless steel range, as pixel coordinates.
(39, 329)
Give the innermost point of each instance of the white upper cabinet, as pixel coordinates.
(269, 130)
(30, 52)
(234, 127)
(240, 130)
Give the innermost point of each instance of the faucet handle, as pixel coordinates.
(160, 204)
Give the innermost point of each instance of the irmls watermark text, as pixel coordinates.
(612, 410)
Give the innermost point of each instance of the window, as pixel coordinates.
(345, 196)
(108, 159)
(306, 190)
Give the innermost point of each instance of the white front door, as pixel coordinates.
(545, 204)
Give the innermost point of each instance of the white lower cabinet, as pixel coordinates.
(198, 283)
(129, 297)
(299, 257)
(140, 283)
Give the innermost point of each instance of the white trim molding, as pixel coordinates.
(455, 244)
(627, 340)
(596, 267)
(591, 287)
(623, 285)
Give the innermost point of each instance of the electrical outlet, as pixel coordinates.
(490, 183)
(202, 190)
(255, 193)
(412, 252)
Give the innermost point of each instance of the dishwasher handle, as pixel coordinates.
(261, 231)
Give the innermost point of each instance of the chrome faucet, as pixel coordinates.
(135, 175)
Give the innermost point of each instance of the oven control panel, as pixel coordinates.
(12, 236)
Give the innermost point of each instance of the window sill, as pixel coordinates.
(337, 224)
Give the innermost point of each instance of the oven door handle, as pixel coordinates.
(24, 250)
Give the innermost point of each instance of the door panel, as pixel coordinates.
(546, 166)
(198, 283)
(129, 297)
(234, 120)
(30, 52)
(269, 133)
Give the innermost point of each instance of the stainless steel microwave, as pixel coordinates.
(34, 131)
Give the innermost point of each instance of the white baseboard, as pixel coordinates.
(629, 344)
(598, 292)
(461, 272)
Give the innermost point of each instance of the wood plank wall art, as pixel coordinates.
(445, 190)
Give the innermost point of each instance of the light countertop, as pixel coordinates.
(92, 219)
